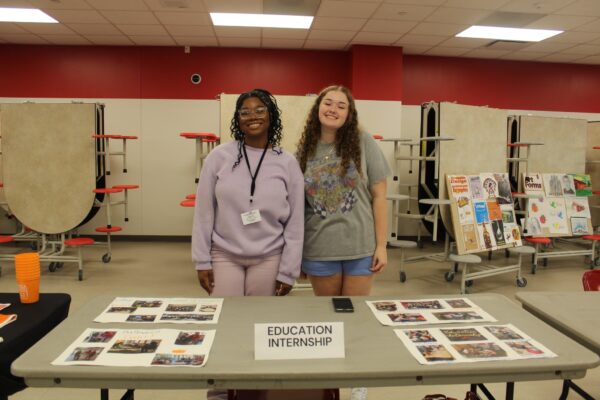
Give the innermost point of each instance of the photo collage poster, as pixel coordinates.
(139, 348)
(482, 212)
(558, 205)
(427, 311)
(471, 344)
(162, 310)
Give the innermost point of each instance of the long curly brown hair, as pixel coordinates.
(347, 137)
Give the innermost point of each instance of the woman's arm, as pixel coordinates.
(379, 204)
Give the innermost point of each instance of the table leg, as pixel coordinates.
(510, 390)
(103, 394)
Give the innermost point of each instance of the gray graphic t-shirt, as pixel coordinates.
(338, 219)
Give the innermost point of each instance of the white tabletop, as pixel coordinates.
(374, 355)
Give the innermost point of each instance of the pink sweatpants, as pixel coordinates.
(243, 276)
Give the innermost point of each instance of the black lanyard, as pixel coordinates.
(253, 176)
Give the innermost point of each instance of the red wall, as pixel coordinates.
(372, 72)
(502, 84)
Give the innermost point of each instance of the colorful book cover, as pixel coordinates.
(504, 192)
(486, 236)
(465, 210)
(470, 237)
(490, 186)
(512, 234)
(459, 186)
(476, 187)
(583, 184)
(580, 226)
(533, 184)
(481, 212)
(557, 221)
(508, 214)
(494, 211)
(498, 230)
(553, 185)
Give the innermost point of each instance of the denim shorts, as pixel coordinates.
(360, 266)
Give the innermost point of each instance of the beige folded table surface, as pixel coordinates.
(374, 354)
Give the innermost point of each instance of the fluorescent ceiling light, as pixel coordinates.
(25, 15)
(501, 33)
(261, 20)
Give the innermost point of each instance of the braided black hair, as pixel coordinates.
(275, 127)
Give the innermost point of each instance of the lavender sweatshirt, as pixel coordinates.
(224, 194)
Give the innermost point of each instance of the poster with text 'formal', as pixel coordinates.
(427, 311)
(162, 310)
(471, 344)
(139, 348)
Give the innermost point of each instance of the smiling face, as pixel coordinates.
(333, 110)
(253, 117)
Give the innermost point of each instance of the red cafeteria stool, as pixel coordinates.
(108, 230)
(591, 280)
(78, 243)
(188, 203)
(126, 188)
(537, 242)
(201, 137)
(595, 261)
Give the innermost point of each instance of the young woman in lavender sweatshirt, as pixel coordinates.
(249, 218)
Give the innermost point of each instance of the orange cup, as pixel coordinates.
(29, 290)
(27, 271)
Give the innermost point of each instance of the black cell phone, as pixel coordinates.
(342, 304)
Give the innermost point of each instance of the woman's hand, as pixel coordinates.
(379, 259)
(207, 280)
(281, 289)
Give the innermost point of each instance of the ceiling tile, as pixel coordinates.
(403, 12)
(583, 49)
(77, 16)
(46, 29)
(375, 38)
(189, 30)
(282, 43)
(18, 4)
(95, 29)
(335, 8)
(548, 47)
(476, 4)
(446, 51)
(486, 53)
(388, 26)
(412, 49)
(176, 5)
(148, 40)
(331, 35)
(535, 6)
(183, 18)
(573, 37)
(284, 33)
(593, 26)
(420, 40)
(143, 30)
(465, 43)
(228, 31)
(120, 5)
(342, 24)
(239, 42)
(67, 39)
(110, 40)
(457, 15)
(559, 57)
(62, 4)
(17, 38)
(560, 22)
(9, 27)
(582, 7)
(234, 6)
(130, 17)
(325, 44)
(523, 55)
(196, 41)
(430, 28)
